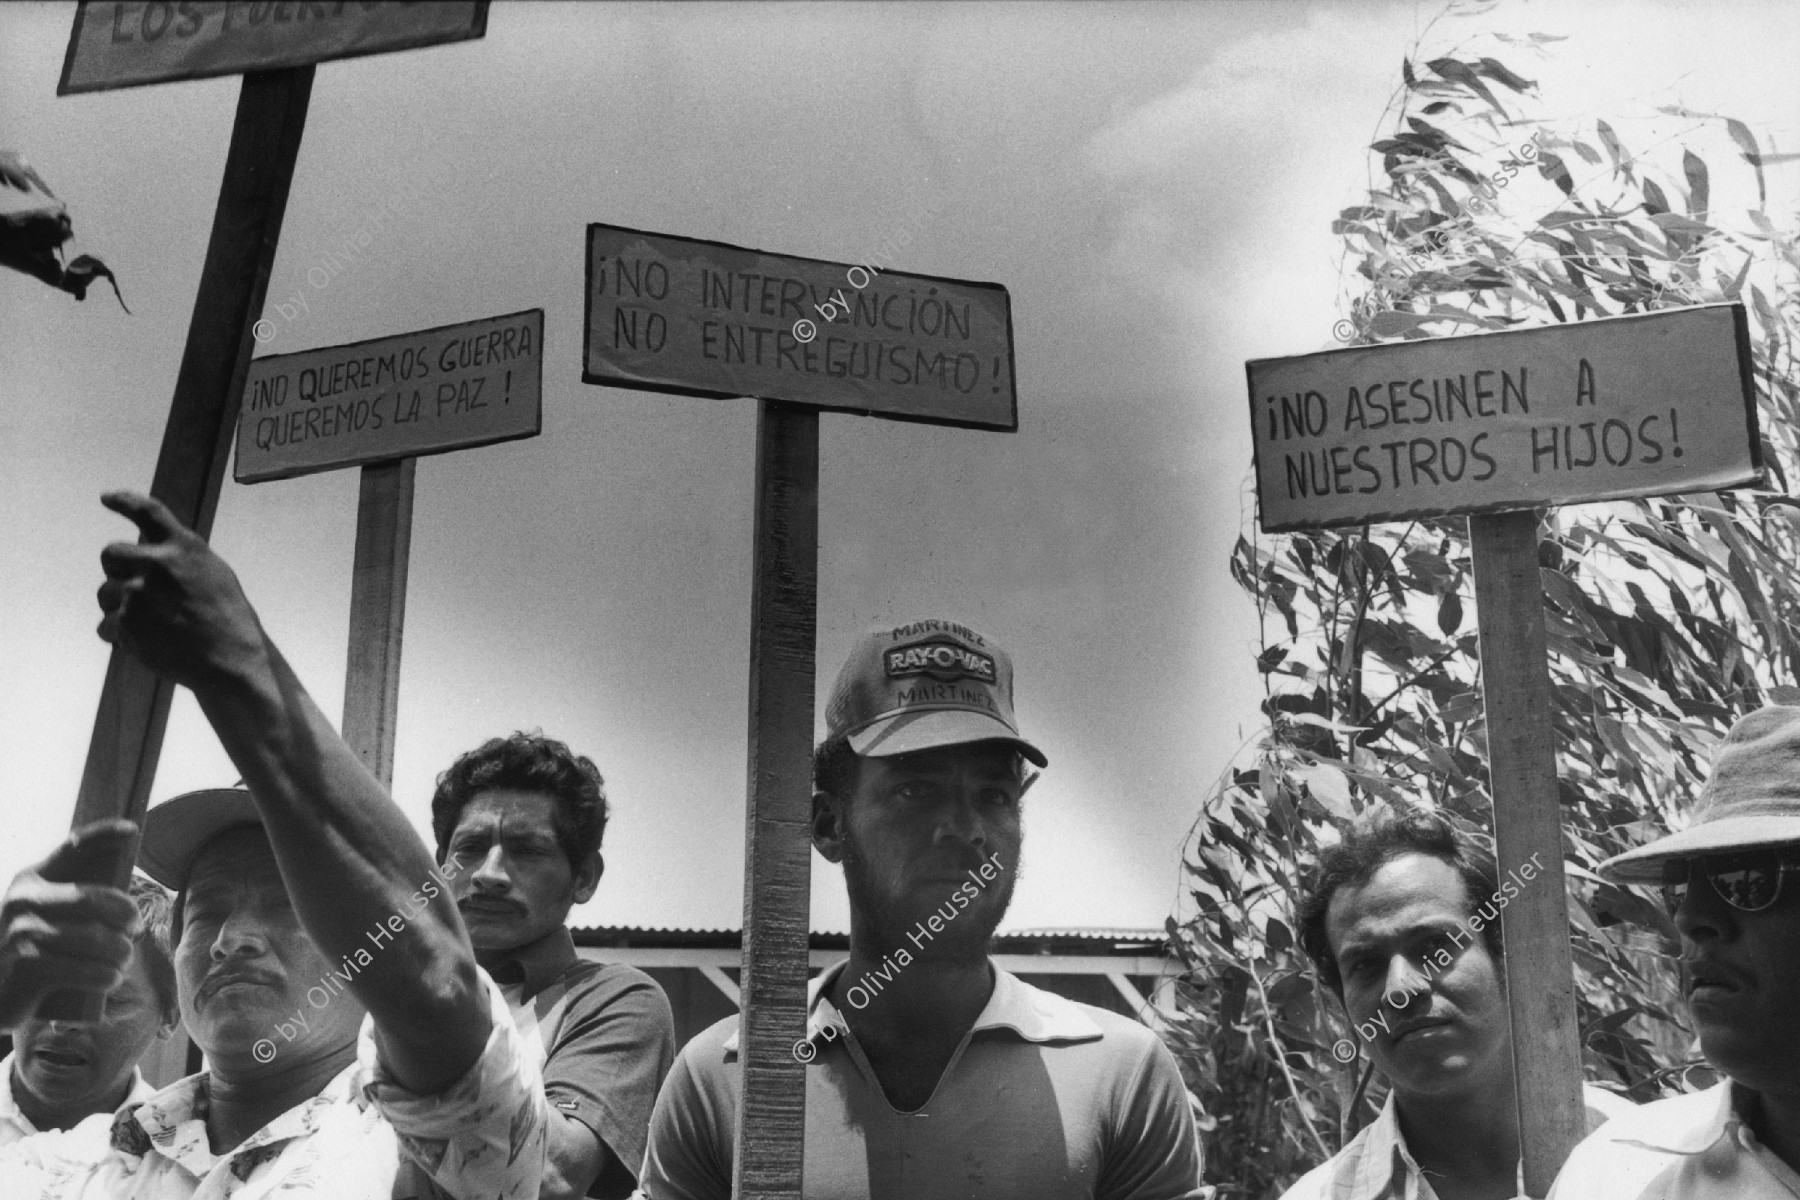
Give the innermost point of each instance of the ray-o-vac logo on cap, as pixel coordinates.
(940, 660)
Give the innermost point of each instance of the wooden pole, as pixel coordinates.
(378, 613)
(190, 467)
(1540, 978)
(771, 1122)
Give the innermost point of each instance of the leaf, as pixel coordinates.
(1654, 200)
(1611, 141)
(1698, 188)
(1458, 72)
(1495, 71)
(1328, 786)
(1740, 133)
(1450, 613)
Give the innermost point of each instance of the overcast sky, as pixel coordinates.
(1153, 184)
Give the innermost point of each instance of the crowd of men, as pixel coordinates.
(381, 1019)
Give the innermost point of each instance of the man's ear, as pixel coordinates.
(828, 826)
(588, 878)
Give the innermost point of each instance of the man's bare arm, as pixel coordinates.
(575, 1159)
(350, 859)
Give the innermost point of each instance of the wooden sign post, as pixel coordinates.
(708, 319)
(1497, 425)
(107, 50)
(383, 403)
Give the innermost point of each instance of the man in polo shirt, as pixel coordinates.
(1401, 920)
(1729, 882)
(67, 1077)
(302, 903)
(932, 1073)
(519, 821)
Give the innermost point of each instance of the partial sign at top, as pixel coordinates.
(117, 45)
(674, 314)
(394, 397)
(1595, 410)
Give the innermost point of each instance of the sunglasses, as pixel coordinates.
(1747, 882)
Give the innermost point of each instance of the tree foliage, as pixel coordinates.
(1666, 618)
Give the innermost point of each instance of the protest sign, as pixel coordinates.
(117, 45)
(1594, 410)
(702, 318)
(394, 397)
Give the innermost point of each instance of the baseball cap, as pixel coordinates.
(922, 685)
(1751, 801)
(175, 830)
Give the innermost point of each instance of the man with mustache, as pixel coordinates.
(518, 822)
(69, 1077)
(1726, 883)
(301, 904)
(1401, 920)
(931, 1072)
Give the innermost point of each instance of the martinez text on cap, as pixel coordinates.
(923, 685)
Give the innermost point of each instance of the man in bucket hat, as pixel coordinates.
(931, 1072)
(1728, 882)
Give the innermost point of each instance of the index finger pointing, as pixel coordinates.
(152, 517)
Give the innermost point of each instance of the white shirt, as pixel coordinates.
(1376, 1164)
(1693, 1147)
(93, 1129)
(362, 1137)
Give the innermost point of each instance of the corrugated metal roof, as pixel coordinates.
(1090, 938)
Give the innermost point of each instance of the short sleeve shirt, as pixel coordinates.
(1377, 1165)
(604, 1038)
(1693, 1147)
(361, 1137)
(1045, 1098)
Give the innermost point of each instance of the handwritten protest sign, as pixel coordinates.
(116, 45)
(677, 314)
(393, 397)
(1596, 410)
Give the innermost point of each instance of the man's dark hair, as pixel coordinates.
(835, 766)
(1371, 842)
(527, 762)
(154, 941)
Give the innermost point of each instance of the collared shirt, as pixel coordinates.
(361, 1137)
(603, 1037)
(1044, 1098)
(92, 1129)
(1377, 1165)
(1693, 1147)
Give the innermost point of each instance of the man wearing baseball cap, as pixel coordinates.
(931, 1072)
(301, 904)
(1729, 883)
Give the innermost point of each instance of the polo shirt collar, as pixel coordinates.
(537, 964)
(1032, 1013)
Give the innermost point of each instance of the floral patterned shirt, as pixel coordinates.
(362, 1137)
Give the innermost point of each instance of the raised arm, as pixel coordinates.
(350, 860)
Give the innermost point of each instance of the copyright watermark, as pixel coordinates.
(805, 330)
(333, 983)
